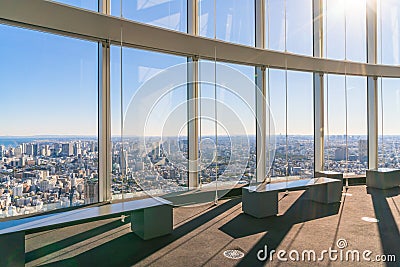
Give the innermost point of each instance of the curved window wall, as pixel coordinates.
(144, 161)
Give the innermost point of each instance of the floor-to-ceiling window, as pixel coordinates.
(150, 150)
(346, 148)
(290, 96)
(227, 140)
(48, 143)
(148, 115)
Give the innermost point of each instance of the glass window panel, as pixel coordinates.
(277, 94)
(234, 20)
(335, 123)
(335, 29)
(346, 154)
(143, 154)
(345, 29)
(299, 33)
(275, 27)
(356, 43)
(357, 125)
(48, 142)
(300, 124)
(292, 114)
(227, 125)
(388, 32)
(169, 14)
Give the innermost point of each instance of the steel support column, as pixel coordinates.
(260, 81)
(318, 87)
(193, 101)
(261, 129)
(372, 86)
(318, 122)
(104, 130)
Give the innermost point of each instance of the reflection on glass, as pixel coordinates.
(388, 32)
(288, 26)
(275, 25)
(299, 33)
(153, 135)
(345, 29)
(231, 21)
(356, 42)
(334, 36)
(48, 142)
(227, 126)
(169, 14)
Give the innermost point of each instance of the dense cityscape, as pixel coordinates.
(47, 173)
(41, 174)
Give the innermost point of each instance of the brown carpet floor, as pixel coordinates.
(202, 234)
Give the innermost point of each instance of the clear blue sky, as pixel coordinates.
(49, 82)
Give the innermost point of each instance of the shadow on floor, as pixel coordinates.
(53, 247)
(129, 249)
(276, 227)
(388, 230)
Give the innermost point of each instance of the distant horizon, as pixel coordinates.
(114, 136)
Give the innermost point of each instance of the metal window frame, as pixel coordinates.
(94, 26)
(318, 84)
(104, 111)
(372, 84)
(105, 29)
(193, 100)
(260, 81)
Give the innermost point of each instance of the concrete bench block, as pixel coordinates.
(152, 222)
(384, 178)
(259, 204)
(326, 193)
(12, 247)
(330, 174)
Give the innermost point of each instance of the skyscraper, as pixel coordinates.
(363, 150)
(67, 149)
